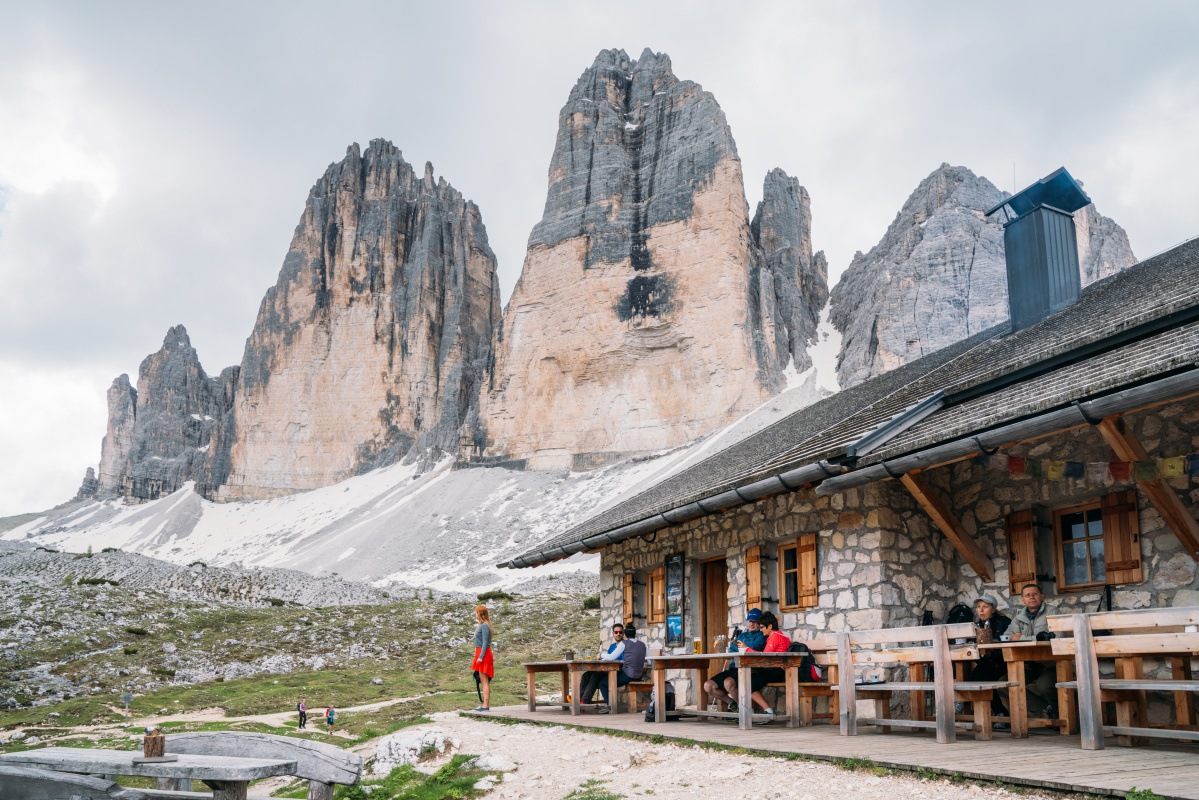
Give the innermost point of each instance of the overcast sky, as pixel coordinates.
(155, 157)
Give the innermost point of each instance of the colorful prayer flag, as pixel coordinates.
(1016, 464)
(1121, 470)
(1193, 466)
(1096, 471)
(1054, 470)
(1075, 469)
(1033, 467)
(1146, 470)
(1172, 467)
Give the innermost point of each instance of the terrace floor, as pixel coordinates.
(1045, 759)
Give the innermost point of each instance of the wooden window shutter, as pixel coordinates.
(1121, 538)
(656, 596)
(1022, 550)
(807, 570)
(628, 597)
(753, 577)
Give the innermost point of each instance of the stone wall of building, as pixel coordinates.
(881, 560)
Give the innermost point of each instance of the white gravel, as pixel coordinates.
(551, 762)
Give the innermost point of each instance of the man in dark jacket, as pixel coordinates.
(634, 663)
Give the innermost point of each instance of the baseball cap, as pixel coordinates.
(754, 614)
(987, 598)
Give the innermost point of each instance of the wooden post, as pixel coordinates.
(745, 702)
(576, 688)
(1184, 702)
(565, 684)
(1161, 494)
(613, 697)
(1131, 709)
(532, 678)
(943, 686)
(659, 696)
(701, 694)
(1086, 666)
(846, 697)
(229, 790)
(1018, 699)
(1067, 703)
(320, 791)
(793, 714)
(982, 720)
(944, 519)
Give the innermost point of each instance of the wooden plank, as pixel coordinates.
(943, 517)
(745, 703)
(1135, 644)
(793, 712)
(1086, 667)
(659, 700)
(916, 633)
(943, 689)
(846, 699)
(1141, 618)
(613, 693)
(1067, 700)
(1156, 733)
(907, 654)
(576, 688)
(120, 762)
(532, 676)
(1127, 448)
(1184, 702)
(1018, 699)
(1138, 685)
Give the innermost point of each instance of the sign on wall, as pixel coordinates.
(674, 600)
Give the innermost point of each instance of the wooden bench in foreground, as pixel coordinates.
(1168, 633)
(30, 783)
(851, 650)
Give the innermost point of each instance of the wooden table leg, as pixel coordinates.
(566, 684)
(701, 695)
(532, 677)
(1018, 700)
(320, 791)
(613, 699)
(882, 710)
(1131, 708)
(794, 718)
(1184, 702)
(1067, 699)
(982, 717)
(745, 703)
(659, 694)
(916, 673)
(576, 688)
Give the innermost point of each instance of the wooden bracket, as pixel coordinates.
(940, 513)
(1161, 494)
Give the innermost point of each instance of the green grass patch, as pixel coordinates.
(130, 651)
(1141, 794)
(137, 631)
(97, 582)
(593, 790)
(494, 594)
(452, 782)
(591, 603)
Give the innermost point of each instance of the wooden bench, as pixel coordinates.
(323, 765)
(1166, 632)
(635, 688)
(29, 783)
(851, 651)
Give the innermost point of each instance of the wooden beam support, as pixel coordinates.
(940, 513)
(1167, 502)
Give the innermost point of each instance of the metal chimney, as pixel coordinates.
(1041, 249)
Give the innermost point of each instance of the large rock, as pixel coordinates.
(938, 275)
(159, 435)
(373, 343)
(643, 317)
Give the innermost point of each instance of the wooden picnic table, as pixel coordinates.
(228, 777)
(572, 681)
(1016, 655)
(700, 663)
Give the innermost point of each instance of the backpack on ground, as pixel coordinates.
(650, 711)
(809, 671)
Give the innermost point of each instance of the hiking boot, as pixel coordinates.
(732, 707)
(1050, 712)
(959, 707)
(769, 713)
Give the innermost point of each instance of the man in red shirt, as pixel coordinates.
(776, 642)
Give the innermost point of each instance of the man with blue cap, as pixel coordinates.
(723, 685)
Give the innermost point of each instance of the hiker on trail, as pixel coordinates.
(330, 716)
(302, 707)
(632, 668)
(484, 663)
(593, 678)
(723, 685)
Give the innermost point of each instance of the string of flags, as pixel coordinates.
(1093, 471)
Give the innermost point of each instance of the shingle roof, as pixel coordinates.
(1136, 324)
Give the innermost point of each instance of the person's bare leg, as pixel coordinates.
(760, 700)
(486, 690)
(714, 691)
(730, 687)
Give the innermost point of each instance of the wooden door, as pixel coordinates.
(715, 601)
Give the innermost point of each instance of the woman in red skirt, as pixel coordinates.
(484, 663)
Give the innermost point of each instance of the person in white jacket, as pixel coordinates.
(594, 679)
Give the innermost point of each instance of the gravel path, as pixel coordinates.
(554, 761)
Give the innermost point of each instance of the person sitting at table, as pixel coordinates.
(1032, 623)
(633, 667)
(990, 666)
(593, 678)
(759, 677)
(723, 685)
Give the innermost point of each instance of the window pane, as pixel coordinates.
(790, 559)
(1098, 571)
(791, 587)
(1095, 522)
(1074, 562)
(1073, 526)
